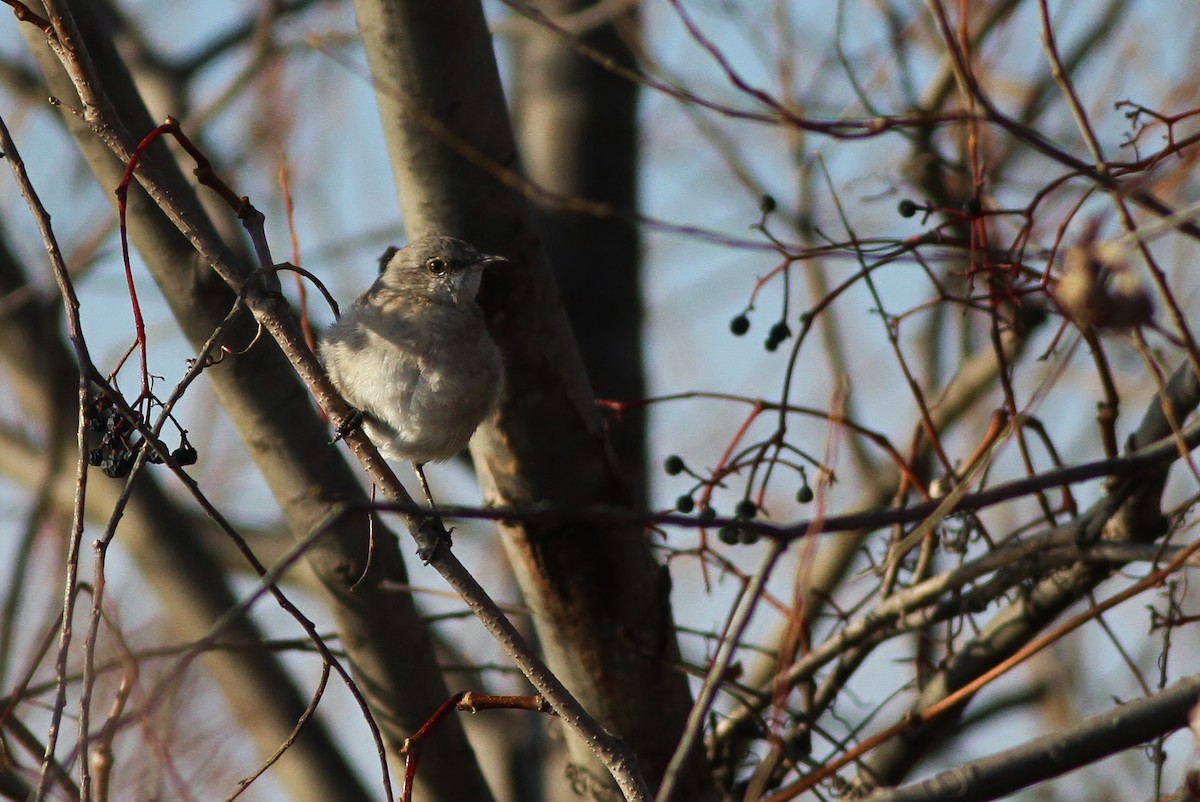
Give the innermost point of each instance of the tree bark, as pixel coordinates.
(576, 122)
(599, 599)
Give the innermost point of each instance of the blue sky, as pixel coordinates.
(322, 118)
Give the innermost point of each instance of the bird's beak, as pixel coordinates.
(488, 261)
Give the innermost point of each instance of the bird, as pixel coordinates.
(413, 353)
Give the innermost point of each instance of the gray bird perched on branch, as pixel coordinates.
(413, 355)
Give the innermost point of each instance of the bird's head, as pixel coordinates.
(441, 269)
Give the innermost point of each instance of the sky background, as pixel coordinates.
(321, 119)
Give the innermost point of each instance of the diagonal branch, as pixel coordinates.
(1087, 741)
(389, 647)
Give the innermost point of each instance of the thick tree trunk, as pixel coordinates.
(600, 601)
(576, 123)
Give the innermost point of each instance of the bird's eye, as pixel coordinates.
(436, 265)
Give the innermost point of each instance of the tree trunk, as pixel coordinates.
(601, 603)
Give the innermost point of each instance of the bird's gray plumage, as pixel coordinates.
(413, 354)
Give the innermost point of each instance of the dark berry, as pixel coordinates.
(745, 508)
(117, 466)
(973, 207)
(185, 454)
(685, 504)
(748, 536)
(749, 728)
(907, 208)
(739, 325)
(799, 745)
(1027, 317)
(728, 534)
(804, 494)
(771, 344)
(673, 465)
(780, 331)
(707, 515)
(766, 204)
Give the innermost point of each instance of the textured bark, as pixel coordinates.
(576, 123)
(388, 646)
(1090, 740)
(600, 601)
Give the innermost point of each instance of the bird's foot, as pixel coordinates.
(432, 537)
(351, 422)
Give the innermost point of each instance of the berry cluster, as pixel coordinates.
(746, 509)
(732, 535)
(972, 207)
(119, 442)
(779, 332)
(116, 452)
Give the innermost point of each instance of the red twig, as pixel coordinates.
(467, 702)
(122, 192)
(205, 175)
(25, 14)
(301, 290)
(953, 700)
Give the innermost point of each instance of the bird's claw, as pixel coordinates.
(432, 537)
(348, 425)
